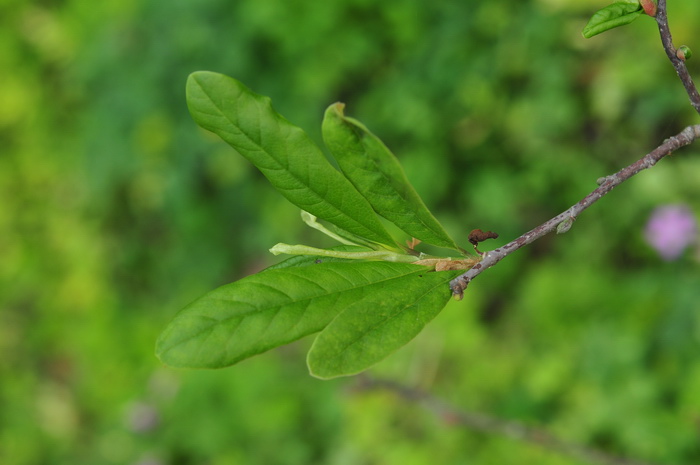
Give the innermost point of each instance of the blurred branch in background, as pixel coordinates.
(454, 416)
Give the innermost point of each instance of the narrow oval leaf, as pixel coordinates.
(272, 308)
(370, 330)
(308, 260)
(378, 176)
(289, 159)
(612, 16)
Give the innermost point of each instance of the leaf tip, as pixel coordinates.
(315, 369)
(336, 109)
(319, 376)
(161, 352)
(318, 370)
(339, 107)
(196, 76)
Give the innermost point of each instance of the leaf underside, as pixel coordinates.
(289, 159)
(278, 306)
(612, 16)
(378, 176)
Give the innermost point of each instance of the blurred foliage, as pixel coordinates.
(117, 211)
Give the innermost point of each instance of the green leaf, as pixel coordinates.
(369, 330)
(612, 16)
(292, 163)
(378, 176)
(275, 307)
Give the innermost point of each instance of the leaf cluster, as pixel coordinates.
(371, 299)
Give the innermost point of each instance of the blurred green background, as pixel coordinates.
(117, 210)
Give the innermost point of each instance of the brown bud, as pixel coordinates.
(412, 243)
(477, 235)
(649, 7)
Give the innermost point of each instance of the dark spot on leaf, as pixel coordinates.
(318, 260)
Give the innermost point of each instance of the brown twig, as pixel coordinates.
(493, 425)
(606, 184)
(671, 52)
(685, 137)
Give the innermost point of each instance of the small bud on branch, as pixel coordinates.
(565, 225)
(683, 53)
(477, 235)
(649, 7)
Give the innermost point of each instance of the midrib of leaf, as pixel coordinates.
(341, 288)
(274, 310)
(401, 192)
(240, 134)
(378, 176)
(324, 292)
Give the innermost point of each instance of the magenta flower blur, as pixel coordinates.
(670, 230)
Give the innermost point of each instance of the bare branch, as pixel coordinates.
(495, 426)
(606, 184)
(514, 430)
(678, 63)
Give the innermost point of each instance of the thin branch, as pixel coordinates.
(495, 426)
(685, 137)
(671, 51)
(606, 184)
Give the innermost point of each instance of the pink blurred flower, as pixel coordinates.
(670, 230)
(142, 417)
